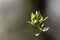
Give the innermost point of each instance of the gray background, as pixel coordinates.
(13, 17)
(53, 12)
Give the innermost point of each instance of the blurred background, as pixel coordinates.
(15, 13)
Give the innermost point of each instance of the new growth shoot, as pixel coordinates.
(37, 21)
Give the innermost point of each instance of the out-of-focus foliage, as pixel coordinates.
(37, 20)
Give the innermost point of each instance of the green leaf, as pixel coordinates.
(39, 29)
(41, 19)
(32, 17)
(45, 18)
(37, 14)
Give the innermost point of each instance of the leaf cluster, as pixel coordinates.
(37, 20)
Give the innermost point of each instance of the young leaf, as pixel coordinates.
(42, 25)
(39, 29)
(37, 14)
(41, 20)
(35, 21)
(37, 34)
(29, 22)
(45, 29)
(45, 18)
(32, 17)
